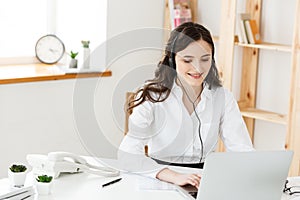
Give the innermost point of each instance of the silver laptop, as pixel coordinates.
(257, 175)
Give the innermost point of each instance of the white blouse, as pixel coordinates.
(172, 135)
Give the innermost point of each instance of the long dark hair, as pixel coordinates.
(158, 89)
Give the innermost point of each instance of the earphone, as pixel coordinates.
(172, 54)
(173, 66)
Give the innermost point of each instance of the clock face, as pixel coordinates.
(49, 49)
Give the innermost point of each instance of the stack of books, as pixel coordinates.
(14, 193)
(248, 31)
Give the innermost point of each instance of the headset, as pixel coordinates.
(172, 64)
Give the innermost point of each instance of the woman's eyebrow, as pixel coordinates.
(188, 56)
(206, 55)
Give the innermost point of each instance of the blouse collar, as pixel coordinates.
(206, 92)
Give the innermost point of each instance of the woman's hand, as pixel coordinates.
(179, 178)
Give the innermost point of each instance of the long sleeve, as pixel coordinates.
(131, 151)
(234, 132)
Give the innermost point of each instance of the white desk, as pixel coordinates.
(88, 186)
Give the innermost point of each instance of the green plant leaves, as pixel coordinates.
(44, 179)
(18, 168)
(73, 55)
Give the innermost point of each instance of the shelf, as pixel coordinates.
(268, 46)
(11, 74)
(264, 115)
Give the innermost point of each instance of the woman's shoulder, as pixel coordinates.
(222, 92)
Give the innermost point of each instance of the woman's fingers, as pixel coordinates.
(196, 177)
(194, 180)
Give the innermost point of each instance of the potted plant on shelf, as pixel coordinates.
(73, 62)
(17, 175)
(86, 53)
(44, 184)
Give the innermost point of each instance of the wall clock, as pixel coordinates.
(49, 49)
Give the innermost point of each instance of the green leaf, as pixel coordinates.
(44, 179)
(18, 168)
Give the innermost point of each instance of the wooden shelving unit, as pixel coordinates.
(264, 115)
(268, 46)
(167, 20)
(247, 100)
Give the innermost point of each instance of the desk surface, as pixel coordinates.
(89, 186)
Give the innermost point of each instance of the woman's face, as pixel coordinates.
(193, 63)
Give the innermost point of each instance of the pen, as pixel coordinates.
(111, 182)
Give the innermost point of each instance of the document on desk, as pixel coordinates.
(147, 183)
(13, 193)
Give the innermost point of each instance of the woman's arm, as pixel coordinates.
(234, 132)
(181, 179)
(131, 151)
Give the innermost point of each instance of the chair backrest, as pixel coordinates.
(129, 98)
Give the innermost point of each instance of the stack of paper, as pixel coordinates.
(147, 183)
(14, 193)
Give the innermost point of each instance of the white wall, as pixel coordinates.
(36, 118)
(63, 115)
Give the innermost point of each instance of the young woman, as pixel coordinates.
(181, 113)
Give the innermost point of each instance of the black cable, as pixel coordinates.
(172, 65)
(194, 108)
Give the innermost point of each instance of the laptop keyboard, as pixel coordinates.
(194, 194)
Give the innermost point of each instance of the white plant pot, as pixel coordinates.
(44, 188)
(73, 63)
(86, 58)
(16, 179)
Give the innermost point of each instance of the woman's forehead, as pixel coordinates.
(197, 48)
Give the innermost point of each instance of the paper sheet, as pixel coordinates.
(147, 183)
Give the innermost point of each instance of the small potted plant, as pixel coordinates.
(86, 53)
(17, 175)
(44, 184)
(73, 62)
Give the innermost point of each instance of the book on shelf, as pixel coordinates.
(248, 30)
(180, 12)
(250, 36)
(255, 32)
(242, 34)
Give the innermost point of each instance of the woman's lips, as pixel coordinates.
(195, 75)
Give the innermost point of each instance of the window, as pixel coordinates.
(24, 22)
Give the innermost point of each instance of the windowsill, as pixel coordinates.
(10, 74)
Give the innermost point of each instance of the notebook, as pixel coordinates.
(258, 175)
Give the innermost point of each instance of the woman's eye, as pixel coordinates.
(187, 61)
(205, 59)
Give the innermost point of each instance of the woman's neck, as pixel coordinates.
(192, 93)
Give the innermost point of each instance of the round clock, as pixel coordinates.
(49, 49)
